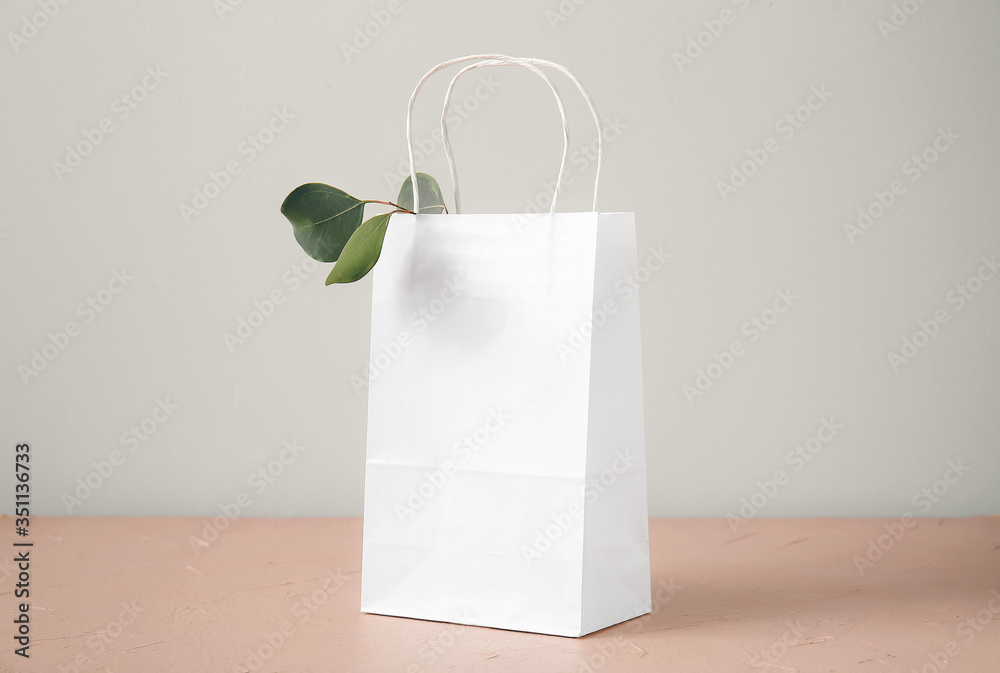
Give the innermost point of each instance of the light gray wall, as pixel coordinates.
(680, 128)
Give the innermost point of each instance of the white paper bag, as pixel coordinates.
(505, 482)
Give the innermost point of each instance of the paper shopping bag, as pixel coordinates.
(505, 480)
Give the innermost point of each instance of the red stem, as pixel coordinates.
(389, 203)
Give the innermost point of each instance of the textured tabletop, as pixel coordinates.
(189, 595)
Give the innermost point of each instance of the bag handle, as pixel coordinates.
(446, 140)
(514, 61)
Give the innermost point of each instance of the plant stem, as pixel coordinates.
(398, 207)
(390, 203)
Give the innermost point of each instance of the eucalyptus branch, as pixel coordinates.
(329, 223)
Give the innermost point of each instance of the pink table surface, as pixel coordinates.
(282, 595)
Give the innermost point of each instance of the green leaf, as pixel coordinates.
(323, 218)
(361, 251)
(431, 200)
